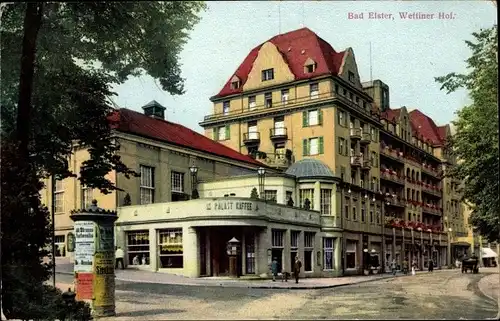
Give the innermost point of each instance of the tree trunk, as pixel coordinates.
(32, 23)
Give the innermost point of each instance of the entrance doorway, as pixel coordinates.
(278, 255)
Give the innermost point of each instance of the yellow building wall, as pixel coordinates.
(268, 57)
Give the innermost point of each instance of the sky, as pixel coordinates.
(405, 54)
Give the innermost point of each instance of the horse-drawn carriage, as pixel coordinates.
(470, 264)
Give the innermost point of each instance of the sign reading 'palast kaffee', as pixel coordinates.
(231, 205)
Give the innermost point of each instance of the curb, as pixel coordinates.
(236, 285)
(486, 295)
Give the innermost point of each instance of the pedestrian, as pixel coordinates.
(296, 269)
(405, 266)
(431, 265)
(274, 268)
(393, 266)
(414, 267)
(119, 255)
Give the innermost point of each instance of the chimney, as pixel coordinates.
(379, 92)
(154, 109)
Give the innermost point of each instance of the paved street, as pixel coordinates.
(443, 295)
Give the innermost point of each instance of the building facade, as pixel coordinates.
(161, 152)
(294, 97)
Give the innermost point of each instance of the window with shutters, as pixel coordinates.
(312, 118)
(285, 94)
(268, 100)
(225, 107)
(313, 146)
(251, 103)
(314, 91)
(222, 133)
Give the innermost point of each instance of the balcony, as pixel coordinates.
(276, 134)
(431, 171)
(355, 133)
(431, 209)
(356, 161)
(395, 201)
(432, 190)
(392, 176)
(392, 154)
(279, 161)
(365, 138)
(366, 165)
(251, 138)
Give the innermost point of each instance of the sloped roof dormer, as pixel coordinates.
(310, 65)
(235, 82)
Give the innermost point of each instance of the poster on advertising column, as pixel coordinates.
(84, 245)
(105, 237)
(104, 279)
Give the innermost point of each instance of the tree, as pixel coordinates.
(253, 194)
(475, 143)
(59, 61)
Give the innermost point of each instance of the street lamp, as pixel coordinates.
(194, 172)
(449, 246)
(262, 175)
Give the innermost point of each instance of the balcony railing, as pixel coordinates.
(365, 138)
(431, 209)
(431, 171)
(366, 165)
(416, 226)
(275, 160)
(393, 154)
(278, 133)
(251, 137)
(355, 133)
(355, 160)
(431, 189)
(391, 176)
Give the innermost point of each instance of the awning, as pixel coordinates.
(464, 244)
(488, 253)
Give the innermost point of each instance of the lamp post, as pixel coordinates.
(194, 172)
(449, 246)
(262, 176)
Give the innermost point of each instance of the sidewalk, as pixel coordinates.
(490, 284)
(139, 276)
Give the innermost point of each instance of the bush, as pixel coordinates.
(254, 195)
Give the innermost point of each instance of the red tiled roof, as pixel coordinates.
(129, 121)
(291, 45)
(422, 125)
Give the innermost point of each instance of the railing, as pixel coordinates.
(251, 136)
(355, 133)
(355, 160)
(280, 132)
(366, 137)
(275, 160)
(430, 189)
(392, 154)
(432, 209)
(392, 176)
(366, 164)
(431, 171)
(395, 202)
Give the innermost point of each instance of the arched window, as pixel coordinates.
(413, 174)
(408, 172)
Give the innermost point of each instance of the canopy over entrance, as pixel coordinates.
(488, 253)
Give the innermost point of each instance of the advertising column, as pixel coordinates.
(104, 269)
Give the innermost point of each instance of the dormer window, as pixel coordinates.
(235, 82)
(351, 76)
(268, 74)
(310, 66)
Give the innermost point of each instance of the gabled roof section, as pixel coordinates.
(391, 114)
(129, 121)
(427, 127)
(296, 47)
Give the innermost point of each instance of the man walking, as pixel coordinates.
(296, 269)
(274, 269)
(393, 266)
(119, 255)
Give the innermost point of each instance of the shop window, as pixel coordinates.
(138, 247)
(328, 247)
(170, 248)
(308, 251)
(351, 254)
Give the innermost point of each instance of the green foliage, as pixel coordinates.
(475, 143)
(253, 194)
